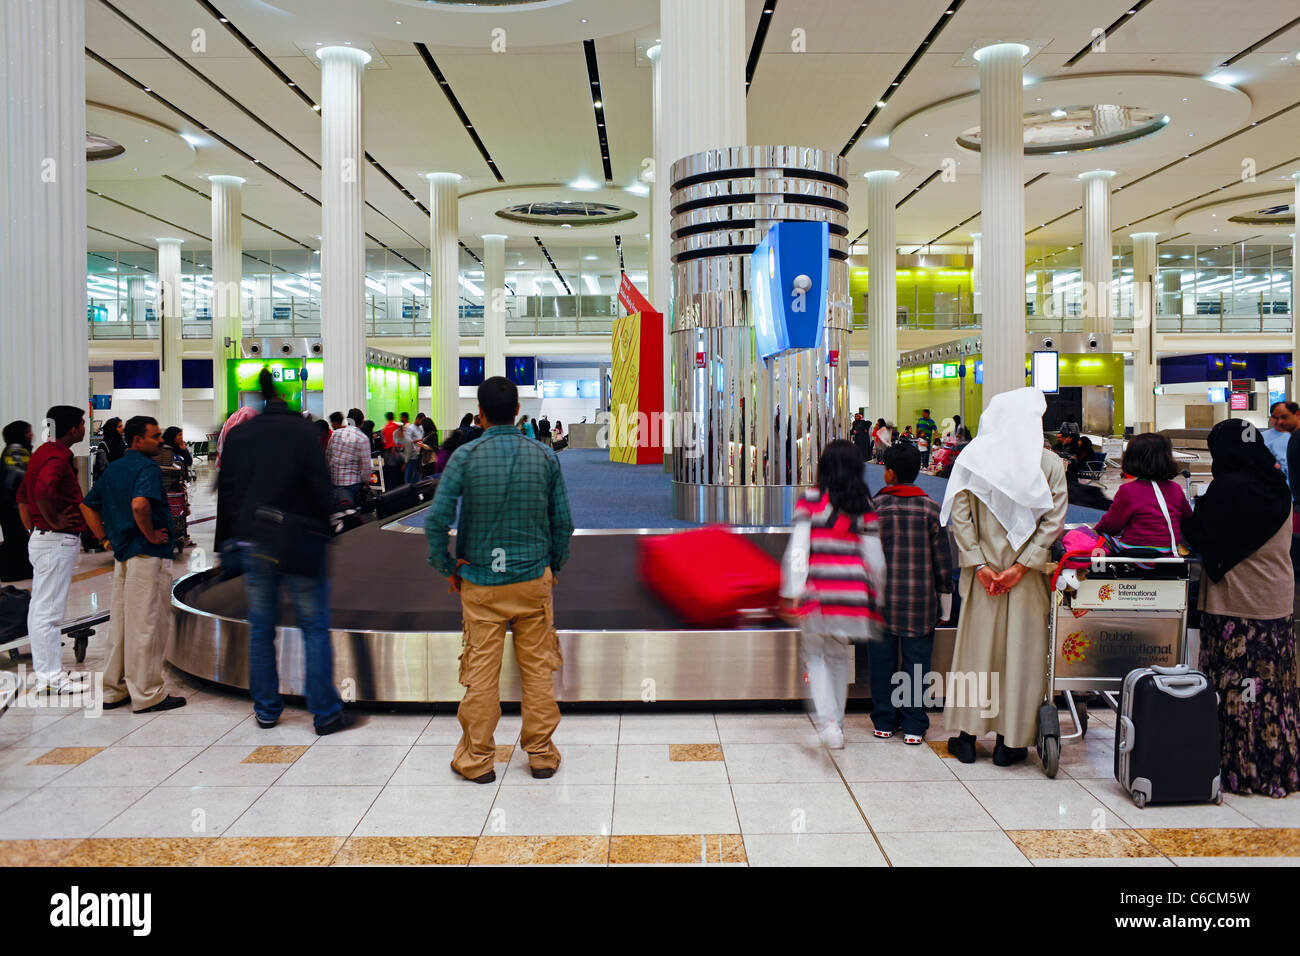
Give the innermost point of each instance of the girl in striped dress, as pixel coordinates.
(831, 577)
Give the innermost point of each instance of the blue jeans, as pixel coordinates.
(883, 660)
(310, 597)
(413, 470)
(351, 492)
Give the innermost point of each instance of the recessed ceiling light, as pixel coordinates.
(1184, 99)
(146, 140)
(880, 104)
(597, 103)
(584, 19)
(591, 258)
(398, 22)
(316, 107)
(1058, 112)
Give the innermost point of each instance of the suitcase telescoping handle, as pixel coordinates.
(1126, 735)
(1187, 685)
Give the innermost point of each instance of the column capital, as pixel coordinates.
(977, 235)
(1096, 174)
(880, 174)
(168, 241)
(345, 53)
(442, 178)
(1143, 235)
(494, 235)
(1000, 48)
(228, 180)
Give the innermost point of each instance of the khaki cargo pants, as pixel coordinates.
(525, 607)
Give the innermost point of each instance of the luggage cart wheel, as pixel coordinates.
(1139, 799)
(1050, 752)
(80, 640)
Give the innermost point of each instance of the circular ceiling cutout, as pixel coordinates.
(1268, 213)
(122, 146)
(1074, 129)
(566, 212)
(1069, 118)
(100, 148)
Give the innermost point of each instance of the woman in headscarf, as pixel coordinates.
(1006, 503)
(1242, 529)
(111, 447)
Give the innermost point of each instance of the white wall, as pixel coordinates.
(197, 417)
(1171, 406)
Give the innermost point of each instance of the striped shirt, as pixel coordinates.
(835, 566)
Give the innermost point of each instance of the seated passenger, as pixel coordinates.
(1136, 517)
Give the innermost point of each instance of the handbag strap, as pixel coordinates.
(1164, 510)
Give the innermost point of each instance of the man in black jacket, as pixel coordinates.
(273, 491)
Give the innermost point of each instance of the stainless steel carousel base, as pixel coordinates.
(735, 504)
(422, 667)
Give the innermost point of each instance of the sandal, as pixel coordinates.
(884, 734)
(913, 739)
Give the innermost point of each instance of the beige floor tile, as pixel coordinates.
(695, 752)
(79, 731)
(305, 812)
(579, 764)
(1120, 805)
(764, 728)
(574, 809)
(68, 812)
(363, 766)
(176, 728)
(274, 754)
(950, 848)
(146, 851)
(120, 764)
(1185, 842)
(668, 727)
(430, 766)
(294, 729)
(456, 810)
(653, 764)
(382, 729)
(695, 848)
(182, 812)
(791, 808)
(678, 809)
(587, 729)
(1267, 811)
(888, 761)
(921, 805)
(36, 852)
(17, 769)
(271, 851)
(543, 850)
(1036, 803)
(222, 766)
(812, 849)
(1079, 844)
(406, 851)
(780, 763)
(64, 757)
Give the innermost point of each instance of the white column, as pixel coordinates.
(661, 294)
(263, 309)
(43, 354)
(1143, 416)
(444, 296)
(171, 408)
(227, 284)
(343, 246)
(494, 305)
(1002, 199)
(700, 104)
(882, 295)
(1098, 266)
(1295, 290)
(976, 280)
(137, 300)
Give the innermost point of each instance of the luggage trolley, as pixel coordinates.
(1134, 618)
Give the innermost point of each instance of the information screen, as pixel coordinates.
(1047, 372)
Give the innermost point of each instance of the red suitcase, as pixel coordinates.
(710, 575)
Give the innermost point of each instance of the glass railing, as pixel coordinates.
(395, 316)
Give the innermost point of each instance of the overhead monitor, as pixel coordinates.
(1046, 372)
(471, 370)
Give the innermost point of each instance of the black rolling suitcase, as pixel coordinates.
(1167, 743)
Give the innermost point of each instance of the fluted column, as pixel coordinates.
(701, 105)
(882, 296)
(343, 246)
(43, 355)
(1098, 265)
(661, 283)
(444, 296)
(1144, 330)
(171, 408)
(494, 305)
(976, 280)
(227, 282)
(1002, 217)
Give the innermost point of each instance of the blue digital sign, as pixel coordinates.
(787, 297)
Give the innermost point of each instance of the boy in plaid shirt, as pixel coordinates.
(918, 594)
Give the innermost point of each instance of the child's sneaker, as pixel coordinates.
(883, 734)
(833, 736)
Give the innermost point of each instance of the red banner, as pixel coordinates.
(630, 297)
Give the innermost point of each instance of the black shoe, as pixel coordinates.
(117, 703)
(543, 773)
(962, 747)
(169, 702)
(488, 777)
(266, 724)
(1005, 756)
(342, 722)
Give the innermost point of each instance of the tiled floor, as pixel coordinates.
(206, 786)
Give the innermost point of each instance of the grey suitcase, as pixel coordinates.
(1167, 743)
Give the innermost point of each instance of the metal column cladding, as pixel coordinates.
(750, 427)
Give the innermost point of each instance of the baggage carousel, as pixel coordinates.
(396, 629)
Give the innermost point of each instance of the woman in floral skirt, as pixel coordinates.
(1242, 529)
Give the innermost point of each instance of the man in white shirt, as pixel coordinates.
(1283, 422)
(407, 434)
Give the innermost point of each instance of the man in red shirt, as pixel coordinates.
(389, 429)
(52, 495)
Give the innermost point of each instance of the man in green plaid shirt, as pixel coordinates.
(512, 539)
